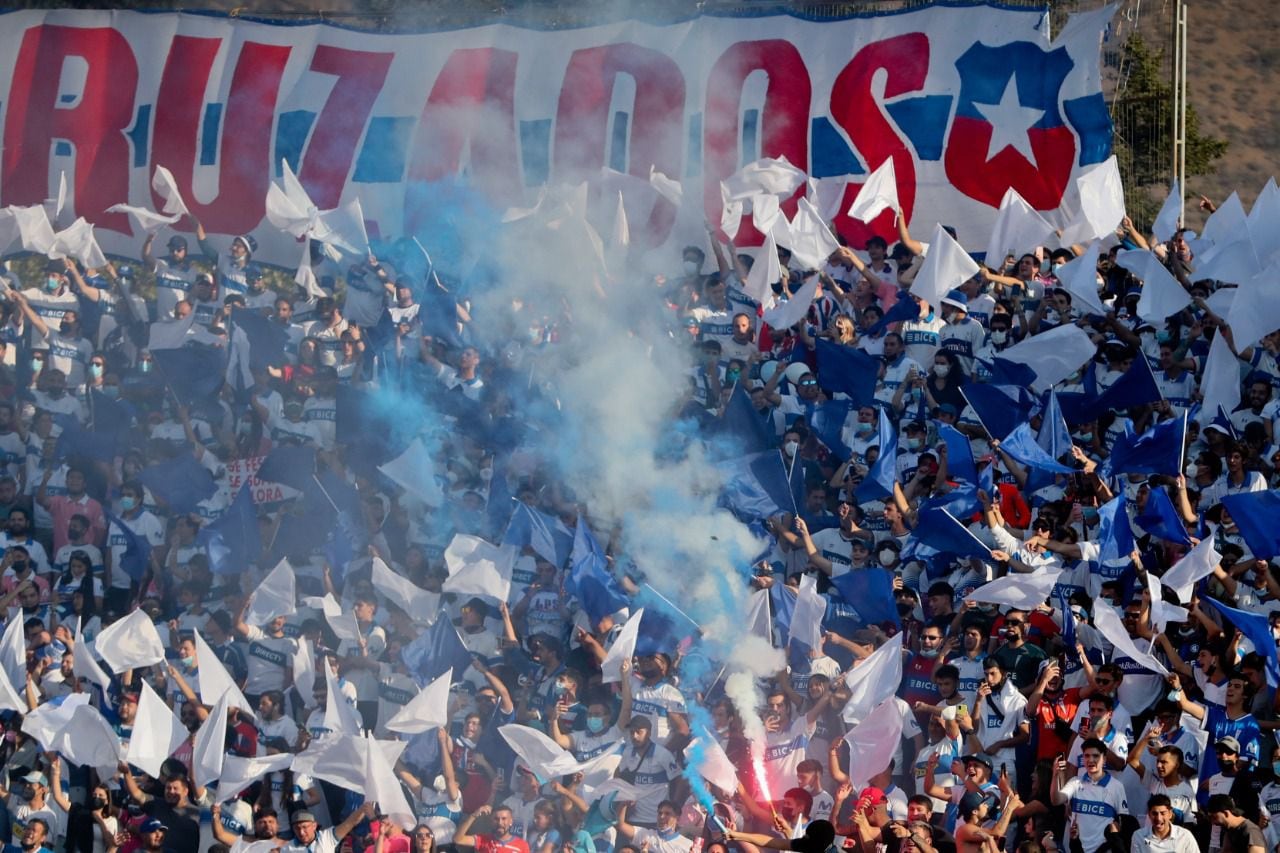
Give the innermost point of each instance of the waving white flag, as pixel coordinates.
(873, 741)
(167, 188)
(477, 567)
(157, 732)
(878, 193)
(873, 680)
(130, 643)
(275, 596)
(623, 649)
(210, 749)
(428, 710)
(213, 681)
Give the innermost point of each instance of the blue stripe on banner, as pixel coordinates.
(383, 156)
(209, 135)
(292, 129)
(831, 155)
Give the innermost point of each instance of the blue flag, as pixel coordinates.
(1256, 627)
(1115, 536)
(267, 338)
(74, 440)
(292, 466)
(181, 482)
(1161, 519)
(759, 485)
(1257, 514)
(742, 426)
(884, 472)
(589, 577)
(1159, 450)
(849, 370)
(960, 464)
(233, 539)
(1068, 623)
(940, 530)
(664, 627)
(1005, 372)
(903, 310)
(962, 501)
(1135, 388)
(435, 651)
(783, 604)
(827, 424)
(137, 550)
(1000, 408)
(545, 534)
(1054, 437)
(193, 373)
(1022, 446)
(870, 592)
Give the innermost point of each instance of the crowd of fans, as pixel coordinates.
(134, 421)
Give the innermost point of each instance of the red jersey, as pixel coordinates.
(1050, 712)
(489, 844)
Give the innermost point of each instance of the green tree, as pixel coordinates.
(1143, 142)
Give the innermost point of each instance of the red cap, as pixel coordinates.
(872, 796)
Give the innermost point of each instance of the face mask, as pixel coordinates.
(595, 725)
(999, 336)
(732, 376)
(99, 803)
(887, 556)
(95, 370)
(1191, 470)
(1044, 265)
(145, 367)
(914, 443)
(929, 653)
(127, 504)
(791, 447)
(865, 428)
(690, 268)
(189, 663)
(486, 474)
(52, 283)
(1090, 514)
(941, 370)
(1163, 336)
(1085, 436)
(19, 566)
(1055, 268)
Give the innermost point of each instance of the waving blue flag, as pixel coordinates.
(1054, 437)
(435, 651)
(1135, 388)
(545, 534)
(759, 485)
(940, 530)
(870, 592)
(884, 472)
(1161, 519)
(290, 466)
(1257, 514)
(1256, 627)
(904, 309)
(1022, 446)
(137, 550)
(960, 464)
(181, 482)
(1068, 623)
(1115, 536)
(664, 626)
(589, 578)
(1159, 450)
(742, 426)
(849, 370)
(827, 424)
(233, 539)
(1000, 407)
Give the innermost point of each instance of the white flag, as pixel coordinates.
(1264, 223)
(873, 680)
(84, 665)
(1162, 294)
(34, 229)
(213, 681)
(786, 314)
(1225, 223)
(339, 716)
(382, 787)
(946, 267)
(88, 740)
(415, 472)
(1197, 563)
(48, 720)
(1235, 262)
(305, 277)
(1255, 311)
(764, 272)
(77, 241)
(810, 609)
(343, 624)
(547, 759)
(671, 190)
(1102, 197)
(621, 235)
(167, 188)
(130, 643)
(879, 192)
(210, 749)
(1221, 381)
(1170, 215)
(730, 213)
(1079, 277)
(341, 759)
(240, 773)
(1108, 623)
(1023, 591)
(275, 596)
(811, 241)
(13, 652)
(421, 605)
(623, 648)
(149, 222)
(426, 711)
(477, 567)
(757, 622)
(304, 672)
(873, 741)
(767, 176)
(1053, 355)
(826, 194)
(157, 733)
(715, 766)
(1019, 228)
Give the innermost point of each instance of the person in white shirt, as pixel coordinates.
(664, 838)
(1162, 835)
(1097, 800)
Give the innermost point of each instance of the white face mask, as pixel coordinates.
(690, 268)
(791, 447)
(887, 556)
(1191, 469)
(999, 336)
(941, 370)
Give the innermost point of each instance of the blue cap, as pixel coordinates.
(956, 299)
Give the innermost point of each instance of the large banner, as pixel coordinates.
(968, 101)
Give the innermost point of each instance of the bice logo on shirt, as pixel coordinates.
(1090, 807)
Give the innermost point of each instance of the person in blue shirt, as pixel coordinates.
(1231, 719)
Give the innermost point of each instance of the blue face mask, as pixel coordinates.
(914, 443)
(95, 370)
(595, 725)
(145, 367)
(111, 391)
(52, 283)
(127, 504)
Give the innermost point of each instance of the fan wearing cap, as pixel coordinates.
(975, 809)
(30, 802)
(235, 267)
(308, 838)
(650, 767)
(175, 273)
(1096, 799)
(972, 772)
(963, 335)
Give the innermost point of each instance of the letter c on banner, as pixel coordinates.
(95, 126)
(784, 124)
